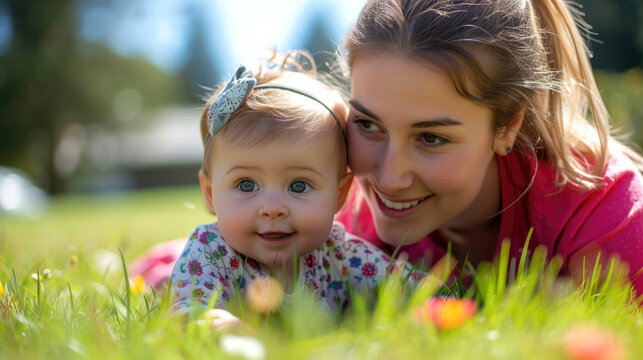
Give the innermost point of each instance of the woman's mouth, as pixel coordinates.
(399, 208)
(395, 205)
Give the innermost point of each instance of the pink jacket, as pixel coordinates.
(567, 222)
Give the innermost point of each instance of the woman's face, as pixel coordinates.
(423, 154)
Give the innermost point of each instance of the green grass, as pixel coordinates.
(84, 310)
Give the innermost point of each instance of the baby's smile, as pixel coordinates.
(275, 237)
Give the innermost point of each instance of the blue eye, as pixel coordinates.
(300, 187)
(248, 186)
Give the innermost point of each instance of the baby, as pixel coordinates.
(274, 173)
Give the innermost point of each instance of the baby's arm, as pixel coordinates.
(204, 269)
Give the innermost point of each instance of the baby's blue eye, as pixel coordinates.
(300, 187)
(248, 186)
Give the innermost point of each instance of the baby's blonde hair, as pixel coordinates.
(270, 115)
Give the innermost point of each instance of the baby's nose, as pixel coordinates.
(273, 208)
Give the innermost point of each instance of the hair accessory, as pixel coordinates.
(308, 95)
(508, 149)
(235, 93)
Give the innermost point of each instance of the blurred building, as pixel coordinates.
(165, 149)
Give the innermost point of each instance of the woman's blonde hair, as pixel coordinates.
(270, 114)
(539, 64)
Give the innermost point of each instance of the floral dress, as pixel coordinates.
(208, 265)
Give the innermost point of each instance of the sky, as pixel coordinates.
(157, 29)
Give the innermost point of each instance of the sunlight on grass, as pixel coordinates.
(65, 293)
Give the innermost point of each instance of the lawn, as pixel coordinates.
(63, 294)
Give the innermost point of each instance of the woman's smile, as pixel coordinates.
(395, 209)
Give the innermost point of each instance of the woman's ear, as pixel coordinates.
(206, 188)
(506, 136)
(344, 187)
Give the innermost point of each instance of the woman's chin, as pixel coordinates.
(395, 238)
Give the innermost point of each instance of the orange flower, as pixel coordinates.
(264, 294)
(445, 313)
(587, 342)
(344, 271)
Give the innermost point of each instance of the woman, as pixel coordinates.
(468, 125)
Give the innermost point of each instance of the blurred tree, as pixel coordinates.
(319, 41)
(201, 70)
(618, 27)
(53, 81)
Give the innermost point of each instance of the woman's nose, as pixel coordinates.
(273, 208)
(394, 171)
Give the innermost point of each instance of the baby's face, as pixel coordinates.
(276, 202)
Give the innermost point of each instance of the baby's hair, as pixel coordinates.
(273, 114)
(509, 55)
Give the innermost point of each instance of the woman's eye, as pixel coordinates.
(248, 186)
(432, 140)
(300, 187)
(366, 125)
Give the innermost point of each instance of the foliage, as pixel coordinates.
(59, 300)
(616, 26)
(623, 96)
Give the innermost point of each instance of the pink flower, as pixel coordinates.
(194, 268)
(369, 269)
(234, 262)
(587, 342)
(310, 261)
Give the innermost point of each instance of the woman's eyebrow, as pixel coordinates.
(359, 107)
(441, 121)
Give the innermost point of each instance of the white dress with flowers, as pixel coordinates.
(208, 265)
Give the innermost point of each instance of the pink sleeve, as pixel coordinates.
(609, 220)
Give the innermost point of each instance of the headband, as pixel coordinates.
(235, 93)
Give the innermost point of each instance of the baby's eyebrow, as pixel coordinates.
(306, 168)
(242, 168)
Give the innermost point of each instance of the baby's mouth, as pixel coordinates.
(274, 236)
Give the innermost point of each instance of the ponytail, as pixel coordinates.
(561, 29)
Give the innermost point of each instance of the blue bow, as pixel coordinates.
(229, 100)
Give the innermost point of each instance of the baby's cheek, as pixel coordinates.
(233, 221)
(317, 218)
